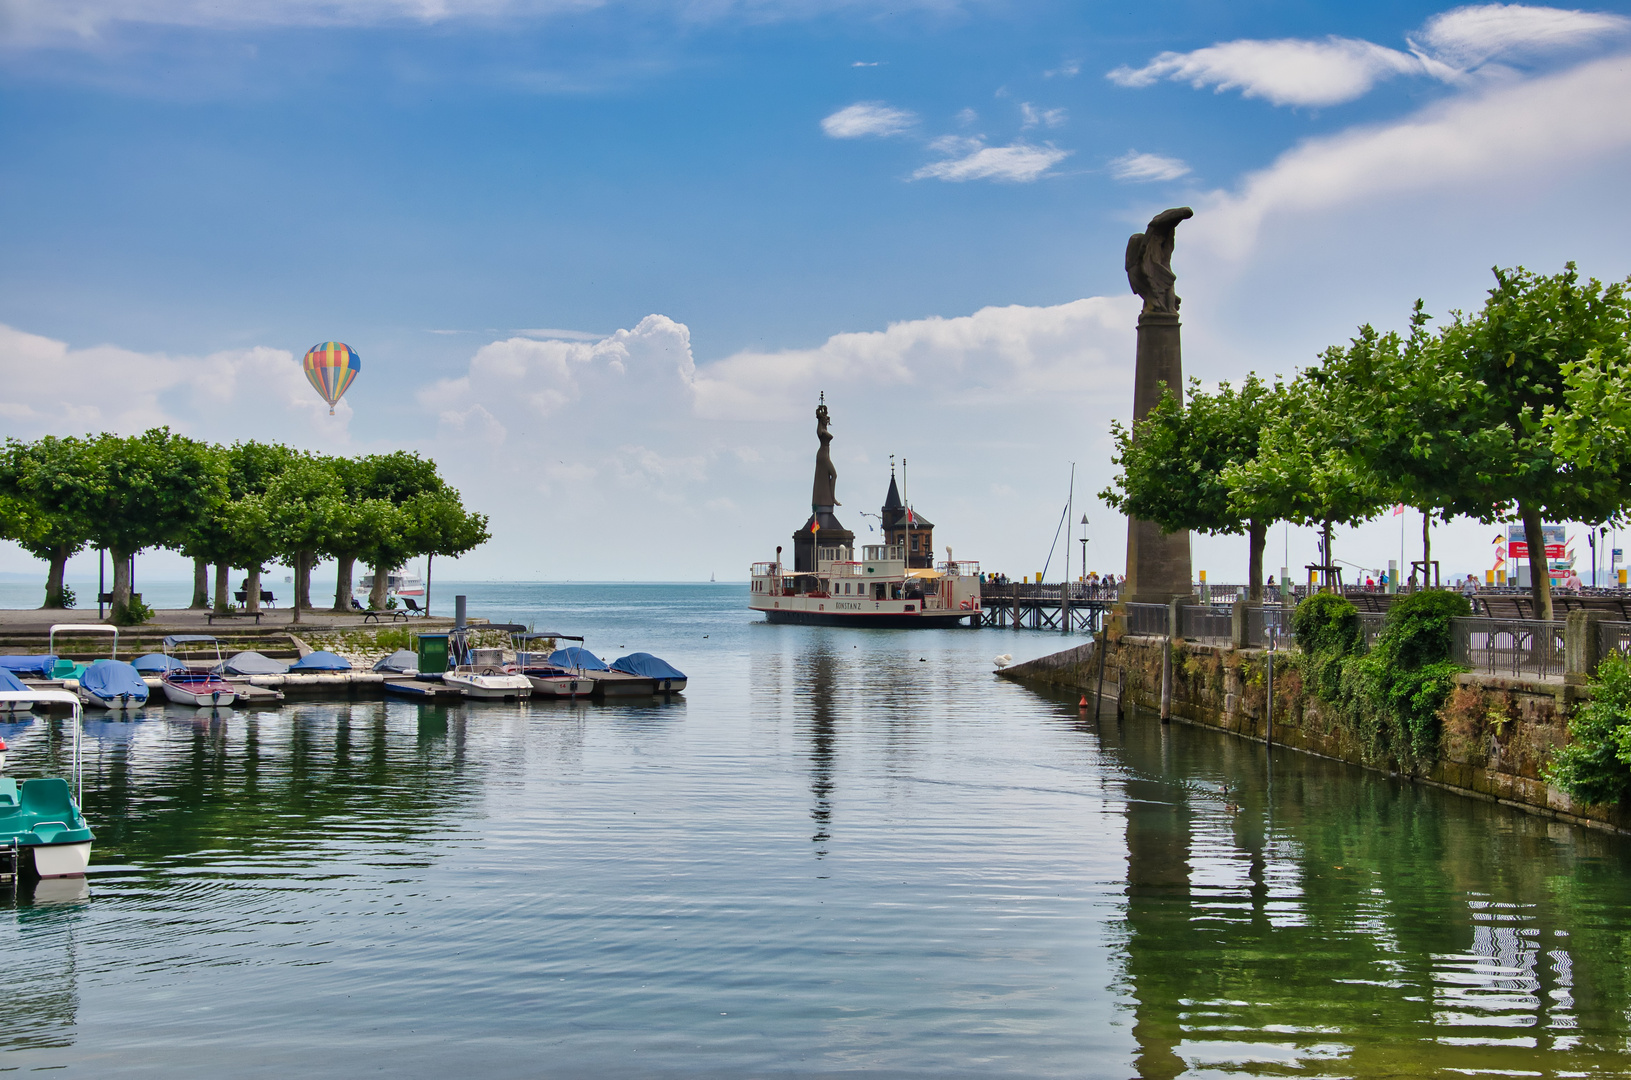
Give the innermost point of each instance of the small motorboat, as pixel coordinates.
(320, 662)
(402, 662)
(41, 828)
(189, 686)
(8, 681)
(485, 676)
(607, 683)
(549, 679)
(112, 684)
(667, 678)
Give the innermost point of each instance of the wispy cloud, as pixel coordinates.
(1019, 163)
(562, 335)
(866, 118)
(1469, 36)
(1034, 117)
(1137, 167)
(865, 63)
(1068, 70)
(1285, 72)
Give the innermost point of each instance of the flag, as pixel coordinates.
(815, 525)
(1398, 508)
(911, 518)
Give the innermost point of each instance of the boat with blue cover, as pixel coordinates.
(42, 830)
(112, 684)
(667, 678)
(549, 679)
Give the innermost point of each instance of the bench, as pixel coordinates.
(394, 614)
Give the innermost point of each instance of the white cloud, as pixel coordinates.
(1545, 124)
(1020, 163)
(1141, 167)
(1031, 116)
(52, 388)
(996, 355)
(867, 118)
(967, 116)
(865, 63)
(1285, 72)
(1069, 70)
(1469, 36)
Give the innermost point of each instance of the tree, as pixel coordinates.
(394, 479)
(1515, 385)
(1173, 463)
(1306, 469)
(33, 510)
(304, 502)
(144, 491)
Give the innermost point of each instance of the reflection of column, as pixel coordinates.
(1160, 948)
(818, 678)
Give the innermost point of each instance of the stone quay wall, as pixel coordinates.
(1497, 732)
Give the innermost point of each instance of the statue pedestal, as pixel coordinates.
(1158, 567)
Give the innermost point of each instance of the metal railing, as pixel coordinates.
(1515, 647)
(1207, 625)
(1148, 620)
(1613, 637)
(1269, 626)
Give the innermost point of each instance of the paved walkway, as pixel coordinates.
(186, 621)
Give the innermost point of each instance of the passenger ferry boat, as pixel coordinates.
(875, 590)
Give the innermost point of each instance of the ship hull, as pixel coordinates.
(883, 620)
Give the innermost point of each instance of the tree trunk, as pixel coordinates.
(1257, 537)
(53, 577)
(252, 591)
(201, 584)
(382, 585)
(303, 562)
(1540, 581)
(1329, 561)
(223, 588)
(342, 581)
(121, 578)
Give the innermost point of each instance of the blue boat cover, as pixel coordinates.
(38, 666)
(8, 681)
(155, 663)
(578, 659)
(321, 660)
(647, 666)
(400, 661)
(110, 678)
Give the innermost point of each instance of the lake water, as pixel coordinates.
(842, 852)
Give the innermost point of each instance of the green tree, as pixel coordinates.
(377, 535)
(305, 505)
(34, 512)
(233, 535)
(1306, 468)
(1173, 463)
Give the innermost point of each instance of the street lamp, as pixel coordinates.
(1084, 547)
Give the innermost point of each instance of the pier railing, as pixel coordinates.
(1147, 620)
(1513, 647)
(1208, 625)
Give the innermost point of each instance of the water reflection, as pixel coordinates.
(1295, 927)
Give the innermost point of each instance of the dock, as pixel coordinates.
(1081, 609)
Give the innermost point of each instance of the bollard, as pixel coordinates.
(458, 612)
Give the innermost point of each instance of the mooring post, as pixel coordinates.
(1268, 697)
(1098, 695)
(1175, 616)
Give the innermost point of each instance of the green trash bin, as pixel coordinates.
(432, 654)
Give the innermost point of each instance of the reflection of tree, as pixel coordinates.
(264, 783)
(42, 980)
(1343, 922)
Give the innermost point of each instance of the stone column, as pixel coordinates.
(1157, 563)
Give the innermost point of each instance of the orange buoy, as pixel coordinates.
(1083, 705)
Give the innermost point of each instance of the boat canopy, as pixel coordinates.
(647, 666)
(538, 635)
(321, 660)
(38, 666)
(577, 659)
(111, 678)
(400, 661)
(251, 663)
(156, 663)
(8, 681)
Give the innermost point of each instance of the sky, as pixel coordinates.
(600, 257)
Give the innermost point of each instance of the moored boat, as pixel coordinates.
(41, 827)
(112, 684)
(189, 686)
(484, 677)
(665, 677)
(549, 679)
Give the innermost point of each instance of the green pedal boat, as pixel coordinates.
(42, 831)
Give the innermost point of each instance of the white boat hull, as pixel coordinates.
(489, 687)
(561, 686)
(111, 704)
(187, 697)
(62, 860)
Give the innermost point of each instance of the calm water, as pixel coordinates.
(843, 852)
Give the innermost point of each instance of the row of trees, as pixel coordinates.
(1518, 412)
(243, 506)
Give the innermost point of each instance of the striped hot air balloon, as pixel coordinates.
(331, 368)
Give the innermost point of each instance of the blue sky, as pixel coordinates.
(920, 210)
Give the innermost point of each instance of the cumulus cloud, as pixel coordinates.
(1547, 124)
(1138, 167)
(1284, 72)
(1469, 36)
(1018, 163)
(996, 355)
(53, 388)
(867, 118)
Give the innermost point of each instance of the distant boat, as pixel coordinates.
(397, 583)
(710, 577)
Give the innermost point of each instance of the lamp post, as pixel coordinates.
(1084, 547)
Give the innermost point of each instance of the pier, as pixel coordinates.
(1076, 608)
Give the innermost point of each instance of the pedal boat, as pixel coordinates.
(42, 831)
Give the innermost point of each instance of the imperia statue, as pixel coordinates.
(1149, 261)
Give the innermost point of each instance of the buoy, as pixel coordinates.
(1083, 703)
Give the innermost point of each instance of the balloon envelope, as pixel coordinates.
(330, 368)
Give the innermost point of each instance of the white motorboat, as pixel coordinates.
(397, 583)
(485, 677)
(191, 686)
(41, 826)
(549, 679)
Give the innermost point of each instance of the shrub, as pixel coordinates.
(1594, 766)
(1326, 622)
(132, 614)
(62, 599)
(1417, 631)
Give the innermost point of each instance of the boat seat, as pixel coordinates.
(8, 792)
(48, 797)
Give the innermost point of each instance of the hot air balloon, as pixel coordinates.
(330, 368)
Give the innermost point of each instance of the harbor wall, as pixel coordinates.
(1498, 733)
